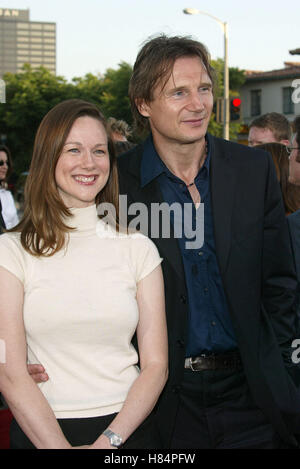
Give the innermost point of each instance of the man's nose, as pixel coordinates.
(196, 102)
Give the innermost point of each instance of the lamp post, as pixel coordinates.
(224, 26)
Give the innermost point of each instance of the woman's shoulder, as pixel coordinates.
(11, 241)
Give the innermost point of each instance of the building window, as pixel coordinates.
(49, 27)
(49, 41)
(23, 25)
(35, 26)
(287, 103)
(255, 103)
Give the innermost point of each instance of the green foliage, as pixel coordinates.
(236, 80)
(115, 101)
(29, 96)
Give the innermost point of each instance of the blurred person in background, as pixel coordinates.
(9, 217)
(119, 131)
(290, 192)
(268, 128)
(294, 178)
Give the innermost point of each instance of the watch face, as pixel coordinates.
(116, 440)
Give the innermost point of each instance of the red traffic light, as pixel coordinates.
(236, 102)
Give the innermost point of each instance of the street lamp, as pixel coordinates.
(224, 26)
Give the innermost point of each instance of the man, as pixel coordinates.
(229, 302)
(269, 128)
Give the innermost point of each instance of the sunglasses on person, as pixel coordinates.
(2, 163)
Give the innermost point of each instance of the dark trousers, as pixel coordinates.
(84, 431)
(217, 411)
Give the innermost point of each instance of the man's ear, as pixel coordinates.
(142, 107)
(285, 142)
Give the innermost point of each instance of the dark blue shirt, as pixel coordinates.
(210, 328)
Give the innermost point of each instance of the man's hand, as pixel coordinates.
(38, 373)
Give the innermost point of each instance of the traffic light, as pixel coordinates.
(235, 109)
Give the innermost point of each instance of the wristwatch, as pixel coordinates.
(114, 439)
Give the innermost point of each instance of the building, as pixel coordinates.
(24, 41)
(273, 91)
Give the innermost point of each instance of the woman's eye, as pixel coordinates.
(73, 150)
(99, 152)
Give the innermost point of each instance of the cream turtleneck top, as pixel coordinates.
(80, 313)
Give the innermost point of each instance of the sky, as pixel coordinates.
(94, 35)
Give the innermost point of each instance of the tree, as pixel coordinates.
(236, 80)
(29, 96)
(115, 101)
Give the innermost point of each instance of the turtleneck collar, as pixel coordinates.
(84, 220)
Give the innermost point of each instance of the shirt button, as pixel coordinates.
(205, 289)
(213, 323)
(200, 253)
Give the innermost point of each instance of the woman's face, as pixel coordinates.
(4, 168)
(82, 169)
(294, 167)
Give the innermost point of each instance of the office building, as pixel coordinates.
(24, 41)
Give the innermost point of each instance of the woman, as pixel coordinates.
(83, 294)
(9, 217)
(290, 192)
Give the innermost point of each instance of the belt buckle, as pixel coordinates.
(191, 362)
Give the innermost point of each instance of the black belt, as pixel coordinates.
(220, 361)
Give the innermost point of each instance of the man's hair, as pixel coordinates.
(9, 160)
(119, 126)
(43, 226)
(154, 64)
(275, 122)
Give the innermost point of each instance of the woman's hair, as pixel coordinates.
(9, 160)
(296, 128)
(154, 64)
(290, 192)
(43, 228)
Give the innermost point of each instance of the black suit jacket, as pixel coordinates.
(2, 224)
(294, 226)
(254, 256)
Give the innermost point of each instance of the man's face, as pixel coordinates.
(258, 136)
(180, 111)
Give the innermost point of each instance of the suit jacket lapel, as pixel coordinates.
(168, 247)
(223, 182)
(151, 194)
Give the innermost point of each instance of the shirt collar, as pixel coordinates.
(152, 166)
